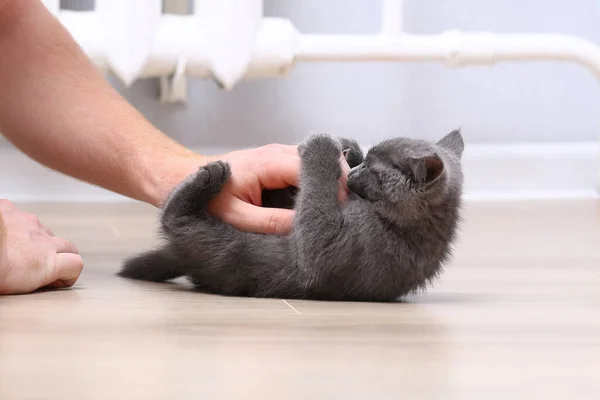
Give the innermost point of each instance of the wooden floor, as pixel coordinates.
(515, 316)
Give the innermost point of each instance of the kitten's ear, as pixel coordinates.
(453, 142)
(427, 169)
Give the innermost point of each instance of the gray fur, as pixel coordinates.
(390, 239)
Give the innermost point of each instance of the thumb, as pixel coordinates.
(343, 181)
(66, 270)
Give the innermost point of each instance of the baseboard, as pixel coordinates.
(532, 171)
(492, 172)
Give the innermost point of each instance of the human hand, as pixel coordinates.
(31, 257)
(273, 166)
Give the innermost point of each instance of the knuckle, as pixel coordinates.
(32, 218)
(274, 223)
(271, 148)
(279, 224)
(261, 151)
(74, 248)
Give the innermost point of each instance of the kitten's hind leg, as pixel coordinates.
(155, 266)
(190, 198)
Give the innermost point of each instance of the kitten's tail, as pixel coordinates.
(155, 266)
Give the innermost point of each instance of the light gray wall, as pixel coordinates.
(516, 102)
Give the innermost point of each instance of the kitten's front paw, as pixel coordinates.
(212, 176)
(321, 155)
(193, 194)
(320, 145)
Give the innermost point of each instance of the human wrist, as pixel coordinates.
(160, 175)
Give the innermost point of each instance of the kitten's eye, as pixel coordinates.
(399, 168)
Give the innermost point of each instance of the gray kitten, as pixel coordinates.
(390, 238)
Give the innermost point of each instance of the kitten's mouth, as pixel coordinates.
(352, 175)
(351, 189)
(355, 183)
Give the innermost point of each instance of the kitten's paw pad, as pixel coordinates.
(320, 144)
(213, 175)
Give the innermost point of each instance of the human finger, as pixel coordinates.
(63, 245)
(345, 169)
(6, 205)
(66, 270)
(57, 285)
(280, 172)
(250, 218)
(342, 193)
(342, 182)
(277, 148)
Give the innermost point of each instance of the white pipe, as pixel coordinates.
(392, 17)
(452, 47)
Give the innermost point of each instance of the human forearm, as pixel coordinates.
(58, 109)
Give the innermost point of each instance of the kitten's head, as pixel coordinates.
(399, 172)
